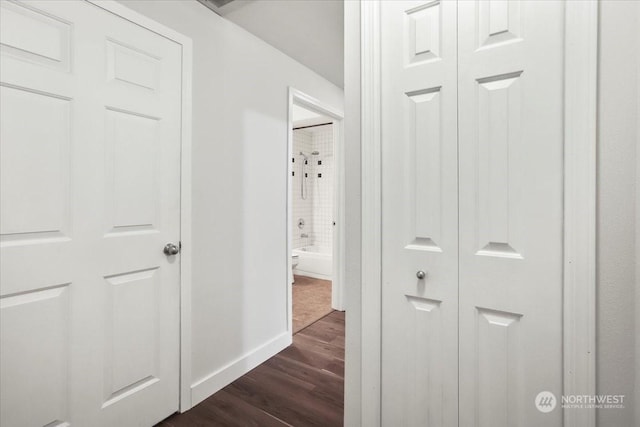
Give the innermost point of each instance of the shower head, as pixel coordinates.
(304, 155)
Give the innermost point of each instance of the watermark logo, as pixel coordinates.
(598, 401)
(546, 401)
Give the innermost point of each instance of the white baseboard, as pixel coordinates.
(215, 381)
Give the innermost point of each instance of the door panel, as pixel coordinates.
(40, 204)
(511, 178)
(37, 36)
(42, 316)
(131, 349)
(131, 169)
(419, 193)
(90, 195)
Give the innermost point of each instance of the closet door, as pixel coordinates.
(511, 210)
(420, 214)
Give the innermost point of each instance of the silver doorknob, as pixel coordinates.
(171, 249)
(421, 274)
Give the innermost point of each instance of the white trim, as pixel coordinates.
(581, 62)
(580, 209)
(352, 51)
(337, 280)
(289, 210)
(339, 233)
(116, 8)
(371, 273)
(207, 386)
(186, 257)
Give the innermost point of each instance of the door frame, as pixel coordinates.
(579, 280)
(185, 184)
(302, 99)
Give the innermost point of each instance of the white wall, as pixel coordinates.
(617, 197)
(283, 23)
(240, 112)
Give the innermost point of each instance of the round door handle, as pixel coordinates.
(171, 249)
(421, 274)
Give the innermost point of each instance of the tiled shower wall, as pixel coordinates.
(317, 209)
(302, 209)
(322, 187)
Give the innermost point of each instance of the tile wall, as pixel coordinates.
(317, 209)
(302, 208)
(322, 184)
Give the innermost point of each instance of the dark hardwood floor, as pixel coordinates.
(303, 385)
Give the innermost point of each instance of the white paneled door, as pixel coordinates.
(90, 151)
(420, 214)
(472, 195)
(511, 139)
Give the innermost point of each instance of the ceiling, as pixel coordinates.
(309, 31)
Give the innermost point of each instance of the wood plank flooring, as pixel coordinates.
(303, 385)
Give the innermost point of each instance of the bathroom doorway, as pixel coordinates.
(315, 211)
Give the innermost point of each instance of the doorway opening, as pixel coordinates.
(312, 220)
(315, 211)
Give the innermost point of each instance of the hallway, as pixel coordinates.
(302, 385)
